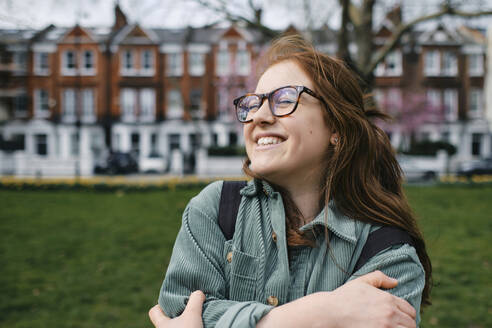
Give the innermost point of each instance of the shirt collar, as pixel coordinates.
(330, 217)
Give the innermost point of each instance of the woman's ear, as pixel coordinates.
(334, 139)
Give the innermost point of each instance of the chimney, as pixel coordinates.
(120, 17)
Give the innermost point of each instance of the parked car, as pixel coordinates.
(117, 163)
(420, 168)
(478, 167)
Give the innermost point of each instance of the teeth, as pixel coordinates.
(269, 141)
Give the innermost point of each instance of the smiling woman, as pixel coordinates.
(325, 180)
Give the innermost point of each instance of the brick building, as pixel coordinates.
(68, 96)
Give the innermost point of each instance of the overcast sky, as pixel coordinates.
(179, 13)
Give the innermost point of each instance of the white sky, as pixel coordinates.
(179, 13)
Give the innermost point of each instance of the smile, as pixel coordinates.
(264, 141)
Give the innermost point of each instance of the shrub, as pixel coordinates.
(430, 148)
(227, 151)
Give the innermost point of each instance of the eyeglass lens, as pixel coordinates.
(281, 102)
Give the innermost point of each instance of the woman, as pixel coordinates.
(325, 177)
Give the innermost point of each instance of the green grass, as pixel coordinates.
(80, 259)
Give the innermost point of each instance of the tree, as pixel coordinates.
(357, 21)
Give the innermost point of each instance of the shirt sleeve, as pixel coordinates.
(197, 262)
(402, 263)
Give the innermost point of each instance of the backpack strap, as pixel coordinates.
(230, 198)
(381, 239)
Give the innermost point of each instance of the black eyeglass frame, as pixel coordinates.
(262, 96)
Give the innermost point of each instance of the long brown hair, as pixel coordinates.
(362, 174)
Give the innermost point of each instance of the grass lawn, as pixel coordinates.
(80, 259)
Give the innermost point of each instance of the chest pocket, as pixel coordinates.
(241, 271)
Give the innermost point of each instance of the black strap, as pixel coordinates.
(381, 239)
(230, 198)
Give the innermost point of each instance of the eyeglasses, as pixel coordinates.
(282, 102)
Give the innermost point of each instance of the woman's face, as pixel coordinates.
(295, 145)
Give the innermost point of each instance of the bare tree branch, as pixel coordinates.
(403, 28)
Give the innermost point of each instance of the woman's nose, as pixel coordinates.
(264, 115)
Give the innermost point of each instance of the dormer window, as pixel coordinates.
(41, 63)
(432, 63)
(196, 63)
(174, 64)
(147, 62)
(127, 63)
(69, 65)
(88, 62)
(450, 67)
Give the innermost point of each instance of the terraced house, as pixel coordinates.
(70, 96)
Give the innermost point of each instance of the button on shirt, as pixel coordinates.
(244, 278)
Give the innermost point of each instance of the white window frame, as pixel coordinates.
(196, 63)
(174, 104)
(223, 63)
(69, 105)
(432, 63)
(84, 69)
(39, 111)
(39, 69)
(127, 70)
(19, 59)
(88, 105)
(174, 63)
(475, 103)
(450, 103)
(65, 70)
(147, 105)
(394, 57)
(243, 62)
(128, 104)
(434, 99)
(475, 65)
(37, 138)
(147, 71)
(449, 64)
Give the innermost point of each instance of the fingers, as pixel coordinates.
(405, 307)
(195, 303)
(157, 316)
(379, 280)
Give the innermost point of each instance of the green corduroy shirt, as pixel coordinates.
(245, 277)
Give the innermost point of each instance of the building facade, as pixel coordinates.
(70, 96)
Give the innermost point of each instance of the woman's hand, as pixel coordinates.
(191, 316)
(358, 303)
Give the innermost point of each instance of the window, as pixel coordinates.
(174, 104)
(128, 104)
(476, 144)
(74, 144)
(20, 60)
(446, 136)
(215, 139)
(475, 65)
(476, 102)
(154, 146)
(196, 63)
(127, 64)
(174, 141)
(147, 62)
(88, 106)
(88, 59)
(41, 63)
(20, 105)
(232, 138)
(19, 141)
(135, 143)
(451, 104)
(391, 66)
(195, 99)
(223, 62)
(243, 62)
(432, 63)
(147, 104)
(41, 143)
(68, 105)
(434, 99)
(174, 64)
(450, 67)
(69, 66)
(117, 141)
(195, 140)
(41, 103)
